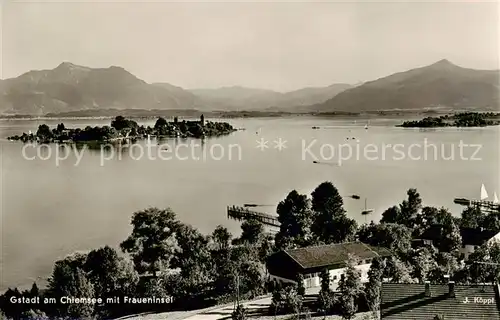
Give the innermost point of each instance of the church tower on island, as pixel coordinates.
(202, 120)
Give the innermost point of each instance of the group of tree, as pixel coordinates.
(320, 219)
(462, 119)
(122, 127)
(164, 257)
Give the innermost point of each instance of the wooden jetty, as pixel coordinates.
(486, 206)
(241, 213)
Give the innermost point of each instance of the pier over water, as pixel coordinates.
(241, 214)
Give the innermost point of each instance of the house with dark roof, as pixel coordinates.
(472, 238)
(403, 301)
(284, 266)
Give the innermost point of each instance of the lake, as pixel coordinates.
(50, 209)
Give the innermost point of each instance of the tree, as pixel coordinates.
(111, 276)
(408, 210)
(395, 237)
(252, 231)
(34, 291)
(373, 286)
(120, 123)
(423, 263)
(192, 256)
(285, 301)
(160, 122)
(11, 310)
(472, 217)
(451, 240)
(397, 271)
(152, 242)
(350, 289)
(446, 264)
(326, 199)
(330, 223)
(61, 127)
(266, 248)
(44, 132)
(222, 237)
(325, 297)
(391, 215)
(301, 290)
(410, 207)
(294, 215)
(69, 282)
(483, 265)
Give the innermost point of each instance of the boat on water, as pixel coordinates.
(484, 194)
(495, 198)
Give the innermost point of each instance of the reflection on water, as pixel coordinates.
(50, 208)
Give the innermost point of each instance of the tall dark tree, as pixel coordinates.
(391, 215)
(410, 208)
(395, 237)
(326, 199)
(398, 271)
(160, 122)
(294, 215)
(407, 212)
(152, 242)
(222, 237)
(373, 286)
(325, 297)
(330, 223)
(69, 280)
(301, 290)
(252, 231)
(423, 263)
(472, 217)
(192, 257)
(109, 273)
(451, 240)
(350, 289)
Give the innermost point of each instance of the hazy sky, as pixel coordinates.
(280, 46)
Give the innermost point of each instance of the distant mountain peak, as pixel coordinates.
(443, 63)
(71, 66)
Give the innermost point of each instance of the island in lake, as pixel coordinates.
(122, 128)
(464, 119)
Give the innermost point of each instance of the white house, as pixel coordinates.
(284, 266)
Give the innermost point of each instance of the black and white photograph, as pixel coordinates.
(249, 160)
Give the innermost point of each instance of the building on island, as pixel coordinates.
(472, 238)
(405, 301)
(284, 266)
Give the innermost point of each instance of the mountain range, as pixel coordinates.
(441, 85)
(70, 87)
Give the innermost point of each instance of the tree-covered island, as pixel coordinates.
(464, 119)
(122, 128)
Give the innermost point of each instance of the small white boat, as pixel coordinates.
(495, 198)
(484, 194)
(366, 126)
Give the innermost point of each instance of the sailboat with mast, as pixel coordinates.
(484, 194)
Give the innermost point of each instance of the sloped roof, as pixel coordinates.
(400, 301)
(470, 236)
(333, 254)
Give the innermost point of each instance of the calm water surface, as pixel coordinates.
(49, 210)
